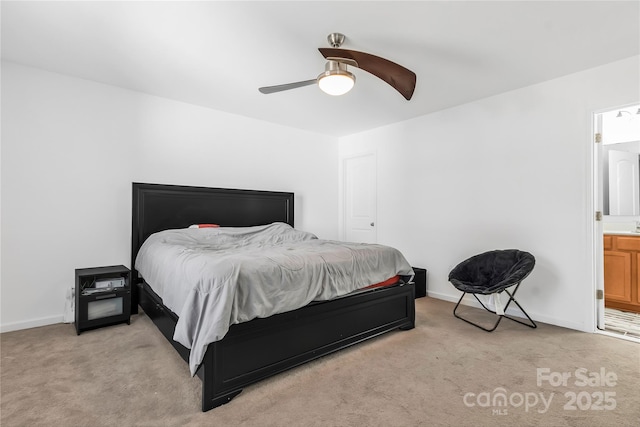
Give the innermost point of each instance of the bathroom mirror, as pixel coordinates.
(621, 161)
(621, 176)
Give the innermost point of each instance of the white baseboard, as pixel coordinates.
(34, 323)
(513, 311)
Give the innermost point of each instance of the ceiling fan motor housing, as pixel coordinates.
(335, 67)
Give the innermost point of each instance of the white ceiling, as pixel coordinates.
(217, 54)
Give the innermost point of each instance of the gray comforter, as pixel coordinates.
(215, 277)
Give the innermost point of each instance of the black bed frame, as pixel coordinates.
(260, 348)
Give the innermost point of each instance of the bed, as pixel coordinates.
(262, 347)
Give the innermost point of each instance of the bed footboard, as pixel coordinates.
(261, 348)
(258, 349)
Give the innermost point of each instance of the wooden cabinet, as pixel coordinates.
(622, 272)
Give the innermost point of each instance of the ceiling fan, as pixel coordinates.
(337, 80)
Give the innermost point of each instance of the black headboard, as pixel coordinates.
(158, 207)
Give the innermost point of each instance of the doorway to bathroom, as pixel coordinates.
(617, 233)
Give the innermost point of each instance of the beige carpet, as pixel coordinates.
(443, 373)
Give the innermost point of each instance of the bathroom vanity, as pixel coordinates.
(622, 271)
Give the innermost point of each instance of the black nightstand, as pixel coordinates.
(420, 281)
(103, 297)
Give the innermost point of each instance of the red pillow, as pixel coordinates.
(204, 226)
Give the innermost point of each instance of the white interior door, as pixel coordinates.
(623, 183)
(360, 201)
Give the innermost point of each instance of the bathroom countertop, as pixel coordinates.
(623, 233)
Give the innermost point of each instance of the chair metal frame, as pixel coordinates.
(500, 316)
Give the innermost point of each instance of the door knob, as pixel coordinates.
(372, 224)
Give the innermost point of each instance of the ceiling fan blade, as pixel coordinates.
(280, 88)
(400, 78)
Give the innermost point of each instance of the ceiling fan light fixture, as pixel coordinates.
(336, 80)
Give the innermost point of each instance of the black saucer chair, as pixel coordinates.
(493, 272)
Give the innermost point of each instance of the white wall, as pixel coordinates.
(510, 171)
(70, 150)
